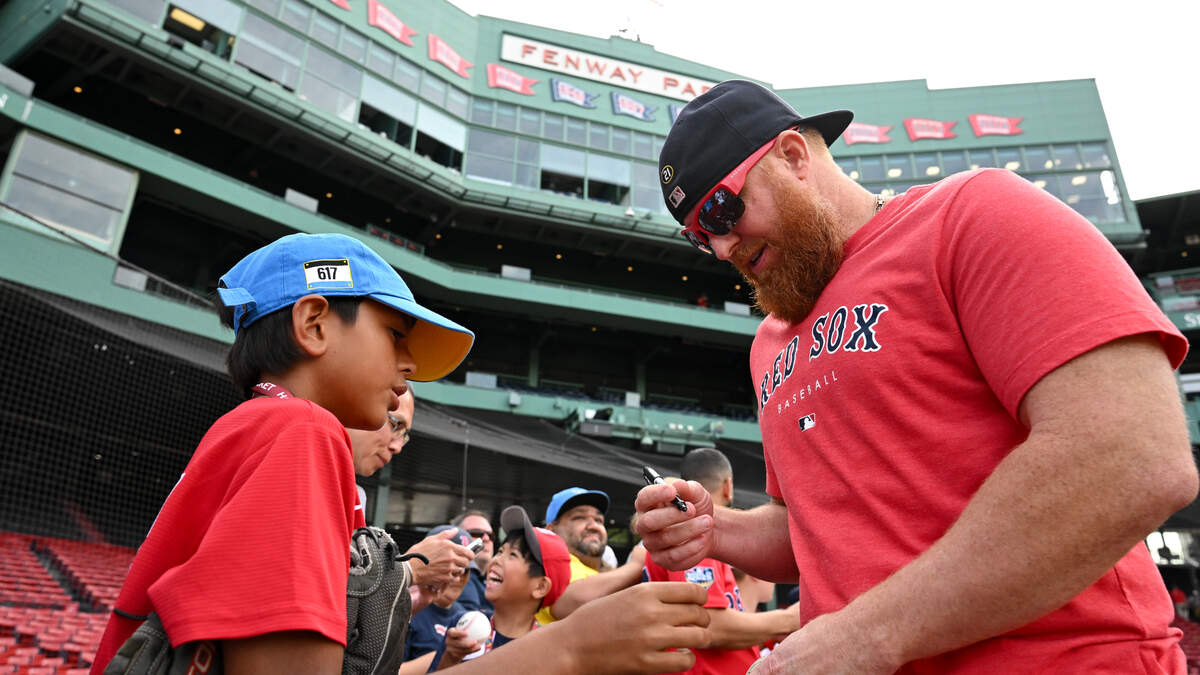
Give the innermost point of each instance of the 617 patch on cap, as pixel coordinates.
(328, 274)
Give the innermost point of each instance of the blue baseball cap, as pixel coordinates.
(289, 268)
(461, 537)
(565, 500)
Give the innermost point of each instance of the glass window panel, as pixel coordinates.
(576, 131)
(1066, 157)
(979, 159)
(383, 96)
(481, 111)
(608, 169)
(68, 169)
(598, 136)
(552, 126)
(63, 209)
(151, 11)
(1047, 183)
(527, 151)
(953, 162)
(562, 160)
(527, 176)
(270, 51)
(928, 167)
(326, 29)
(1095, 156)
(354, 46)
(220, 13)
(530, 121)
(442, 127)
(645, 176)
(457, 101)
(489, 169)
(406, 74)
(642, 147)
(333, 70)
(849, 166)
(658, 145)
(268, 7)
(433, 89)
(490, 143)
(296, 14)
(1091, 195)
(380, 59)
(871, 168)
(1008, 158)
(1037, 158)
(328, 97)
(620, 140)
(506, 116)
(898, 166)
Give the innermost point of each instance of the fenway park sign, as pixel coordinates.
(601, 68)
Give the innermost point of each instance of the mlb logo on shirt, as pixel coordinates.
(807, 422)
(700, 575)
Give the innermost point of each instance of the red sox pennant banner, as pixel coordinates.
(858, 132)
(569, 93)
(993, 125)
(919, 128)
(341, 3)
(444, 54)
(378, 15)
(627, 105)
(503, 78)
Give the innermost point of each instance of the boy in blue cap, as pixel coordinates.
(251, 548)
(327, 336)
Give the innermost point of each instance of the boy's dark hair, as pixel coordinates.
(517, 537)
(266, 346)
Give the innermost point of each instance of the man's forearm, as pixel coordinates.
(1039, 531)
(732, 629)
(756, 541)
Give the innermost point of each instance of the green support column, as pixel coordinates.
(639, 375)
(534, 364)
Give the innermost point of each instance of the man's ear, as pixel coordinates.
(542, 587)
(794, 149)
(727, 489)
(311, 315)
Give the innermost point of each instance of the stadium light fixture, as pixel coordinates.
(194, 22)
(630, 212)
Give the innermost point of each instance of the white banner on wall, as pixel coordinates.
(601, 68)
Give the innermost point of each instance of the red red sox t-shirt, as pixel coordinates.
(255, 536)
(883, 410)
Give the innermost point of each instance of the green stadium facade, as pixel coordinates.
(507, 170)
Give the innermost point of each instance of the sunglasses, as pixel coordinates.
(722, 207)
(399, 428)
(480, 534)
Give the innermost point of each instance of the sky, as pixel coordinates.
(1143, 55)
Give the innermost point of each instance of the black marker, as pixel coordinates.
(652, 478)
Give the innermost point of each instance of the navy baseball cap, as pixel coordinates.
(565, 500)
(289, 268)
(719, 129)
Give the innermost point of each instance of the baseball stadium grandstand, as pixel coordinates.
(507, 170)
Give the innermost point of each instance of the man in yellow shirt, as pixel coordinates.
(577, 515)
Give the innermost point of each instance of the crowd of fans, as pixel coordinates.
(536, 574)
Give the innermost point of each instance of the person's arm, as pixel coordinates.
(733, 629)
(1107, 460)
(600, 585)
(282, 653)
(755, 541)
(418, 665)
(626, 632)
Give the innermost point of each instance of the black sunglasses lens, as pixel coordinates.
(721, 211)
(698, 240)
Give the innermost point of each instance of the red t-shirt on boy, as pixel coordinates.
(255, 536)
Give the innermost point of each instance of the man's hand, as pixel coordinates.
(457, 647)
(676, 539)
(446, 559)
(823, 647)
(630, 631)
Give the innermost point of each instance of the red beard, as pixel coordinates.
(808, 246)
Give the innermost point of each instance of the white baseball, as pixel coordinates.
(477, 625)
